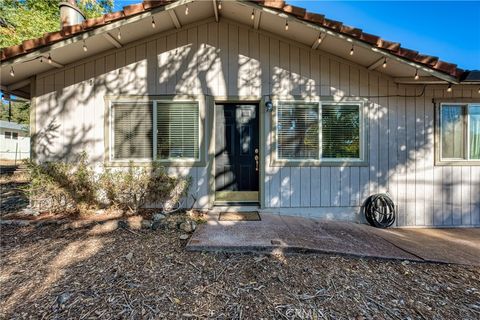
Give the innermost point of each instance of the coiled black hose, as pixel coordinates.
(380, 210)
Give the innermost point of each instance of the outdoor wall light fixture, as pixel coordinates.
(320, 38)
(269, 106)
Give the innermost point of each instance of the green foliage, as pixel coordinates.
(136, 186)
(20, 112)
(29, 19)
(61, 186)
(58, 186)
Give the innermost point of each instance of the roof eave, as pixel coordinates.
(279, 11)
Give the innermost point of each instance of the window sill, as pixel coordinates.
(319, 163)
(170, 163)
(457, 163)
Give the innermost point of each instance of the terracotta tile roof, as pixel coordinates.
(301, 13)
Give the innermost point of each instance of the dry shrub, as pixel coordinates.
(60, 186)
(74, 186)
(136, 186)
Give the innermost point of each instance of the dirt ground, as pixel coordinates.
(108, 273)
(12, 197)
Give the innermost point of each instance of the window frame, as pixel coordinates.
(9, 135)
(14, 135)
(149, 161)
(361, 161)
(439, 159)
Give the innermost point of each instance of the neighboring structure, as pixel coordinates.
(14, 141)
(259, 102)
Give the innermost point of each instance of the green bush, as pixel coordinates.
(74, 186)
(57, 186)
(137, 186)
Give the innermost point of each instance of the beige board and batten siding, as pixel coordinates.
(227, 59)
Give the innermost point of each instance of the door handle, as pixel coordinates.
(256, 162)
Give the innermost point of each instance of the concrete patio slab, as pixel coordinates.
(460, 245)
(288, 234)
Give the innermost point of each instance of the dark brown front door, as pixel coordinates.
(236, 152)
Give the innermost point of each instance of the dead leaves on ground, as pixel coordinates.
(52, 273)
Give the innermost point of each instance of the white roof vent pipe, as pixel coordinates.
(70, 14)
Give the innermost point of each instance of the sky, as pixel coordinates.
(446, 29)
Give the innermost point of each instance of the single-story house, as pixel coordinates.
(261, 103)
(14, 141)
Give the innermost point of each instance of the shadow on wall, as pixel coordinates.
(190, 62)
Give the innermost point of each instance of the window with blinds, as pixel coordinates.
(132, 131)
(313, 131)
(177, 131)
(340, 131)
(297, 131)
(155, 130)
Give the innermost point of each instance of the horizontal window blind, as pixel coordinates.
(177, 130)
(297, 131)
(340, 131)
(132, 130)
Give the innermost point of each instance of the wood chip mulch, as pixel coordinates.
(94, 272)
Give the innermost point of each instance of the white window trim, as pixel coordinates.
(323, 161)
(466, 134)
(154, 103)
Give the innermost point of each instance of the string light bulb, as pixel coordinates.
(119, 34)
(186, 9)
(12, 72)
(253, 15)
(384, 65)
(286, 25)
(219, 5)
(49, 58)
(351, 51)
(153, 23)
(416, 75)
(85, 46)
(478, 91)
(41, 59)
(449, 89)
(320, 38)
